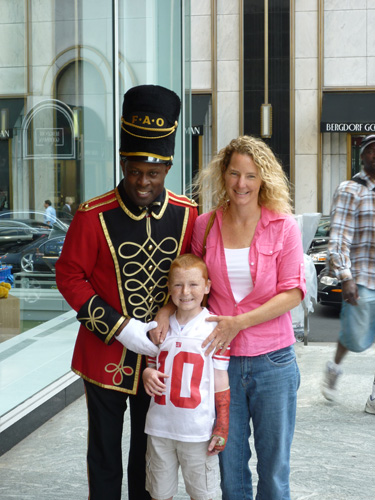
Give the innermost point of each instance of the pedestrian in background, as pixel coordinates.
(50, 213)
(67, 208)
(351, 256)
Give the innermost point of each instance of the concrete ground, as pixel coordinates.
(332, 454)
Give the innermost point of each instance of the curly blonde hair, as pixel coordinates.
(274, 192)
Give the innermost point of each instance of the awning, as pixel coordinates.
(348, 112)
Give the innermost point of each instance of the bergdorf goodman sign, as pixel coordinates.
(347, 127)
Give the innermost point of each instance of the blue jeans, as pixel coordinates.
(263, 389)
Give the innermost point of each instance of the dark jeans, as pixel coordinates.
(106, 409)
(263, 389)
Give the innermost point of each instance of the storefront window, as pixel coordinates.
(61, 87)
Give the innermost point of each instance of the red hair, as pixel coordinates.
(188, 261)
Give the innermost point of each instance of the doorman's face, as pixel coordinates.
(143, 182)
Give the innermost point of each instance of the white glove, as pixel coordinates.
(134, 337)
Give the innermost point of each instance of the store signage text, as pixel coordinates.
(41, 139)
(348, 127)
(49, 136)
(195, 130)
(4, 134)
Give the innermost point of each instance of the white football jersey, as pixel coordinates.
(186, 412)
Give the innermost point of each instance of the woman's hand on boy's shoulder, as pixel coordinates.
(219, 339)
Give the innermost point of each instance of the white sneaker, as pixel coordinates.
(331, 374)
(370, 406)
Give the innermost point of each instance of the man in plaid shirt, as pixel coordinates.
(351, 256)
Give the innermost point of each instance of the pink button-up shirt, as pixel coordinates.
(276, 265)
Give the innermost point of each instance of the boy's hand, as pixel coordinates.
(217, 444)
(159, 333)
(153, 382)
(220, 433)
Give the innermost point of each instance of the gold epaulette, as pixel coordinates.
(180, 198)
(98, 201)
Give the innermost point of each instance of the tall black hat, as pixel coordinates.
(149, 123)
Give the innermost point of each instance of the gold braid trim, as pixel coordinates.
(169, 130)
(163, 208)
(98, 201)
(93, 321)
(143, 137)
(127, 211)
(143, 153)
(116, 264)
(133, 390)
(180, 198)
(114, 329)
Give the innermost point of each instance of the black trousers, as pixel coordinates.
(106, 409)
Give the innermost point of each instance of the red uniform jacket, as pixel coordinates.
(114, 264)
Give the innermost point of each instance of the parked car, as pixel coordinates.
(15, 232)
(319, 245)
(329, 289)
(22, 227)
(35, 218)
(39, 250)
(39, 256)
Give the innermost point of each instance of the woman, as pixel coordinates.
(254, 256)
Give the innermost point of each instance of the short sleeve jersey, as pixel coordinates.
(186, 412)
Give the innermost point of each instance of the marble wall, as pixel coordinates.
(228, 84)
(201, 47)
(349, 43)
(228, 62)
(13, 59)
(306, 106)
(348, 62)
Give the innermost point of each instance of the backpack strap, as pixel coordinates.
(208, 229)
(361, 181)
(210, 223)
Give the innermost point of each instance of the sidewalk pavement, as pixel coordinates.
(332, 454)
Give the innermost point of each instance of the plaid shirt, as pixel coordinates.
(351, 249)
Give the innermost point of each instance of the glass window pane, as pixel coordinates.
(57, 149)
(59, 123)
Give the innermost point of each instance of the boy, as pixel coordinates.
(181, 416)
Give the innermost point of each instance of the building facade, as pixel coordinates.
(321, 82)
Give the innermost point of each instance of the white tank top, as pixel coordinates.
(239, 272)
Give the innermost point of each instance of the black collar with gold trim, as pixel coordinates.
(156, 209)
